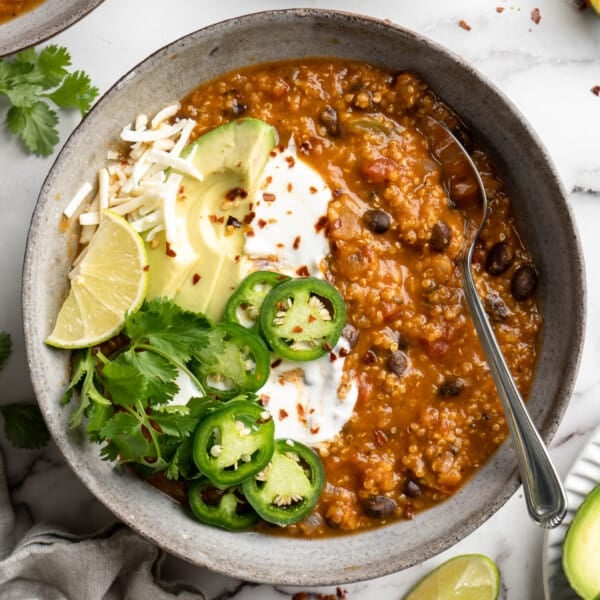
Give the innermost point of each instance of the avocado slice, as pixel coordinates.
(198, 260)
(581, 548)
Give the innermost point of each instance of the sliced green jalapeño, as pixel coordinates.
(234, 443)
(235, 360)
(288, 489)
(226, 508)
(243, 306)
(302, 319)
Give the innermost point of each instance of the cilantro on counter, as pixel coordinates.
(34, 81)
(24, 425)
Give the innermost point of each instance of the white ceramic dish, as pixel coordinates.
(583, 476)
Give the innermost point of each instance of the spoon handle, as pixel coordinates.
(544, 493)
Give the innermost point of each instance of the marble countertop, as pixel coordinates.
(548, 69)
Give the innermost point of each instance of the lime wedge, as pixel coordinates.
(595, 4)
(109, 281)
(465, 577)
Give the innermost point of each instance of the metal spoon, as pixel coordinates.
(544, 493)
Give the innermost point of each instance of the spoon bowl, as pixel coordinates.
(544, 494)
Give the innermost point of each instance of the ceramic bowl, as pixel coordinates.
(542, 212)
(41, 23)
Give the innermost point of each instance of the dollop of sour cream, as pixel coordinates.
(309, 401)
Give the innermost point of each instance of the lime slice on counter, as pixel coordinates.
(109, 281)
(465, 577)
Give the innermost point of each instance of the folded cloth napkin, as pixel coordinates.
(50, 564)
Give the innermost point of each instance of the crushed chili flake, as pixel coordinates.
(296, 243)
(311, 319)
(250, 233)
(146, 268)
(237, 258)
(290, 160)
(596, 90)
(312, 189)
(302, 271)
(196, 277)
(170, 251)
(344, 352)
(268, 197)
(370, 357)
(249, 218)
(233, 222)
(290, 187)
(297, 329)
(462, 23)
(499, 9)
(327, 346)
(215, 219)
(321, 223)
(282, 414)
(276, 363)
(536, 16)
(236, 192)
(300, 410)
(332, 357)
(262, 223)
(315, 429)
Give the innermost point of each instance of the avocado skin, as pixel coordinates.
(581, 548)
(201, 268)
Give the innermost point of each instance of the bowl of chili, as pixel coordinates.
(418, 465)
(29, 22)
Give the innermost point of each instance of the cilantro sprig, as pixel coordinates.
(124, 393)
(32, 82)
(24, 425)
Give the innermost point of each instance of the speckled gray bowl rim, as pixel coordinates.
(361, 556)
(41, 23)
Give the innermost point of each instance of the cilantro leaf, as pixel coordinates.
(24, 426)
(36, 126)
(32, 81)
(5, 347)
(123, 382)
(170, 329)
(159, 375)
(125, 432)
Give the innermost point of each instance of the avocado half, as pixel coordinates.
(200, 266)
(581, 548)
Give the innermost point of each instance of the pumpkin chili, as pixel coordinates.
(427, 415)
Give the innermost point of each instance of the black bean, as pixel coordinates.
(440, 236)
(397, 362)
(523, 283)
(328, 117)
(499, 258)
(380, 507)
(412, 489)
(451, 387)
(378, 221)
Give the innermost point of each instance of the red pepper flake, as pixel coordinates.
(311, 319)
(370, 357)
(303, 271)
(332, 357)
(262, 223)
(596, 90)
(268, 197)
(146, 268)
(170, 251)
(536, 16)
(312, 189)
(283, 414)
(462, 23)
(300, 410)
(196, 277)
(327, 346)
(290, 187)
(315, 429)
(249, 218)
(298, 329)
(296, 244)
(321, 223)
(250, 233)
(273, 154)
(276, 363)
(236, 192)
(237, 258)
(290, 160)
(344, 352)
(499, 9)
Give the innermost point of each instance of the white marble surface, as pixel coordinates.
(547, 69)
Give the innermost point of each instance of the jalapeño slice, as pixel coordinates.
(226, 508)
(288, 489)
(302, 319)
(235, 360)
(234, 443)
(243, 306)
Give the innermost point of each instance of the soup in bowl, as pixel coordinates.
(300, 228)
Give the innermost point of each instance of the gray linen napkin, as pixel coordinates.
(50, 564)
